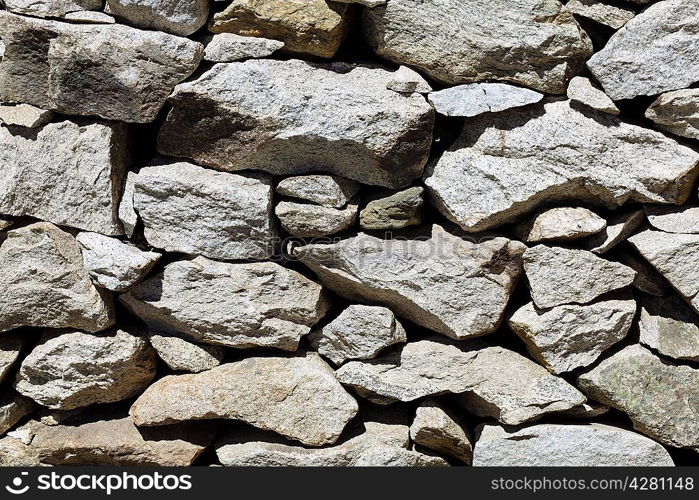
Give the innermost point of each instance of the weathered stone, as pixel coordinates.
(44, 283)
(15, 450)
(478, 98)
(591, 409)
(112, 71)
(447, 284)
(326, 190)
(670, 327)
(534, 43)
(498, 383)
(179, 17)
(313, 27)
(13, 408)
(435, 429)
(181, 355)
(10, 347)
(407, 81)
(572, 336)
(561, 224)
(359, 332)
(556, 445)
(677, 112)
(24, 115)
(189, 209)
(5, 223)
(507, 164)
(237, 305)
(581, 90)
(567, 276)
(293, 117)
(659, 397)
(296, 397)
(619, 227)
(228, 47)
(50, 8)
(379, 445)
(609, 15)
(66, 173)
(673, 219)
(307, 221)
(368, 3)
(395, 211)
(113, 264)
(89, 17)
(647, 278)
(127, 215)
(655, 52)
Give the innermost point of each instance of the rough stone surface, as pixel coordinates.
(313, 27)
(670, 327)
(581, 90)
(89, 17)
(189, 209)
(572, 336)
(24, 115)
(507, 164)
(113, 264)
(44, 283)
(658, 396)
(497, 382)
(567, 276)
(435, 429)
(228, 47)
(359, 332)
(446, 284)
(647, 278)
(477, 98)
(66, 173)
(395, 211)
(293, 117)
(407, 81)
(112, 71)
(677, 112)
(555, 445)
(5, 223)
(13, 408)
(126, 213)
(609, 15)
(673, 219)
(181, 355)
(10, 347)
(307, 221)
(669, 58)
(237, 305)
(296, 397)
(50, 8)
(326, 190)
(76, 369)
(619, 227)
(179, 17)
(561, 224)
(534, 43)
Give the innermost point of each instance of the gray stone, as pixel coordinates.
(647, 278)
(89, 17)
(609, 15)
(189, 209)
(619, 227)
(569, 276)
(677, 112)
(572, 336)
(75, 369)
(581, 90)
(296, 397)
(560, 224)
(673, 219)
(182, 355)
(238, 305)
(5, 223)
(307, 221)
(44, 283)
(659, 397)
(407, 81)
(228, 47)
(368, 3)
(127, 215)
(507, 164)
(293, 117)
(395, 211)
(556, 445)
(446, 284)
(179, 17)
(24, 115)
(326, 190)
(670, 327)
(10, 347)
(655, 52)
(50, 8)
(435, 429)
(477, 98)
(359, 332)
(13, 408)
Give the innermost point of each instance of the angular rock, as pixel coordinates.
(673, 219)
(308, 221)
(581, 90)
(50, 8)
(368, 3)
(669, 59)
(478, 98)
(677, 112)
(498, 383)
(112, 71)
(359, 332)
(396, 211)
(89, 17)
(65, 173)
(507, 164)
(556, 445)
(668, 326)
(13, 408)
(5, 223)
(572, 336)
(312, 27)
(435, 429)
(407, 81)
(113, 264)
(561, 224)
(24, 115)
(293, 117)
(647, 279)
(181, 355)
(189, 209)
(296, 397)
(326, 190)
(10, 347)
(179, 17)
(446, 284)
(228, 47)
(608, 15)
(537, 44)
(75, 369)
(567, 276)
(659, 397)
(15, 450)
(618, 228)
(237, 305)
(44, 283)
(127, 215)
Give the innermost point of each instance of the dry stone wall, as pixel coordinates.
(349, 233)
